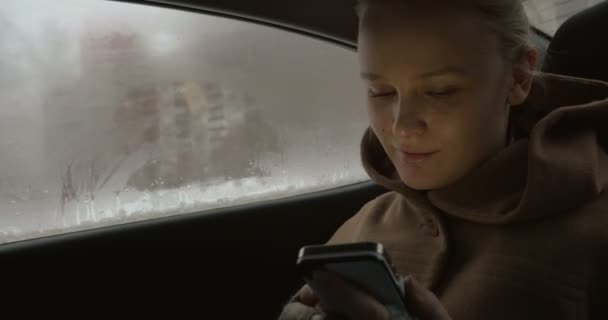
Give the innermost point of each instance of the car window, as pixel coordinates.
(124, 112)
(548, 15)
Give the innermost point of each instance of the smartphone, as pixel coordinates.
(364, 264)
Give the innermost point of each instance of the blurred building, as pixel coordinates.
(190, 130)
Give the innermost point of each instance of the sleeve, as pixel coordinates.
(598, 296)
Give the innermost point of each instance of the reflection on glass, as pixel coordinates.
(126, 112)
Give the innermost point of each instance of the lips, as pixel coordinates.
(414, 156)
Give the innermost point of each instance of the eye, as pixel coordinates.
(443, 92)
(381, 94)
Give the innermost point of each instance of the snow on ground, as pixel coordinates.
(128, 205)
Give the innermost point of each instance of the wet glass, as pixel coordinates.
(114, 112)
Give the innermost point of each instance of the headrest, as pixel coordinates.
(580, 45)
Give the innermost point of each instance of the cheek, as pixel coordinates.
(458, 129)
(492, 120)
(475, 132)
(380, 120)
(381, 124)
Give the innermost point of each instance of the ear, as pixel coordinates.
(522, 77)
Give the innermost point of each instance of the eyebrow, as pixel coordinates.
(445, 70)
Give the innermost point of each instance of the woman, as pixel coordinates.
(496, 209)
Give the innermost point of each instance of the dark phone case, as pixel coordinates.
(366, 265)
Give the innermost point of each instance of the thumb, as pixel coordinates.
(307, 296)
(422, 302)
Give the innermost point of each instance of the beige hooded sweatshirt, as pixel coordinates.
(524, 235)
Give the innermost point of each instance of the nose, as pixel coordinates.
(408, 120)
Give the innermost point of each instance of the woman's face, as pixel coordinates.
(438, 91)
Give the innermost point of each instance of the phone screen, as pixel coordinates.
(372, 276)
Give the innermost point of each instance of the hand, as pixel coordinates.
(422, 302)
(305, 306)
(335, 296)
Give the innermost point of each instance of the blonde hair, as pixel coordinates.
(507, 19)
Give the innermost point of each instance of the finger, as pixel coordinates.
(422, 302)
(333, 316)
(307, 296)
(337, 296)
(300, 311)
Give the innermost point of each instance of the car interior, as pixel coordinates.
(573, 53)
(238, 261)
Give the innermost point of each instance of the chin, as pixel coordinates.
(422, 183)
(427, 183)
(419, 184)
(420, 187)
